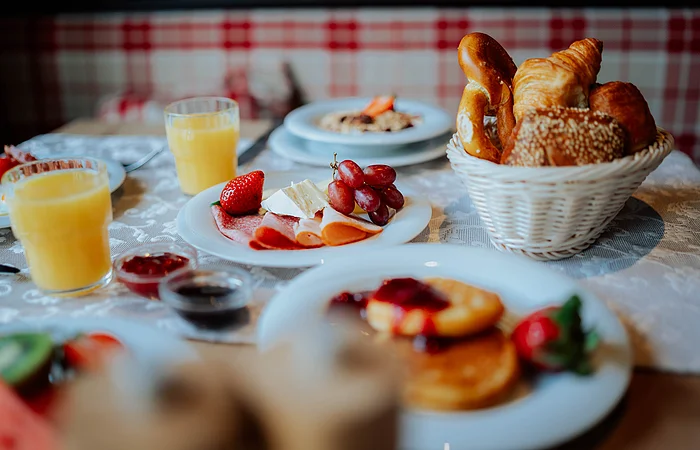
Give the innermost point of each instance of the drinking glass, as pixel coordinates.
(60, 210)
(203, 135)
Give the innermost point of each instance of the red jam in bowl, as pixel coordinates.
(141, 274)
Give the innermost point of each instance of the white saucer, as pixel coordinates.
(116, 173)
(285, 144)
(557, 407)
(197, 227)
(434, 121)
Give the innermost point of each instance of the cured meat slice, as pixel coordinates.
(308, 232)
(339, 229)
(239, 229)
(276, 232)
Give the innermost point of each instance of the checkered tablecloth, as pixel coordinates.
(56, 69)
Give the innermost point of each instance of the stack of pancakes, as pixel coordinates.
(476, 366)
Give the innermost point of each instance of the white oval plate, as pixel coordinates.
(559, 406)
(303, 122)
(197, 227)
(285, 144)
(150, 347)
(116, 173)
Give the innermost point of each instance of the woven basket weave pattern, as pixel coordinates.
(552, 213)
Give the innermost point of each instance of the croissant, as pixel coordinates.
(563, 79)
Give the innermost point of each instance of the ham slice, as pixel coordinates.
(277, 232)
(239, 229)
(339, 229)
(308, 232)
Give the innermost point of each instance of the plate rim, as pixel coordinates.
(301, 258)
(616, 375)
(299, 123)
(277, 140)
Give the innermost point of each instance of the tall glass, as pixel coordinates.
(203, 135)
(60, 210)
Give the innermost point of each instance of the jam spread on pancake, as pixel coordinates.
(407, 294)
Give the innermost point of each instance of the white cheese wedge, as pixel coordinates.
(302, 200)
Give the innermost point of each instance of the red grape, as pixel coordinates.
(351, 174)
(379, 175)
(392, 197)
(380, 216)
(367, 198)
(341, 197)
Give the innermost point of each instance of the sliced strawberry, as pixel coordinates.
(243, 194)
(379, 105)
(91, 351)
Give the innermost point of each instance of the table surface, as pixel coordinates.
(659, 411)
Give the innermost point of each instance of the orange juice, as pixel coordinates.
(204, 147)
(61, 219)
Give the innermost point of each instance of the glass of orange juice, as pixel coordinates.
(60, 210)
(203, 135)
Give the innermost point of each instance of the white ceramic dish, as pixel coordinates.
(116, 173)
(289, 146)
(558, 406)
(303, 122)
(150, 347)
(197, 227)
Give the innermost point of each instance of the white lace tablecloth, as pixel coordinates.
(646, 266)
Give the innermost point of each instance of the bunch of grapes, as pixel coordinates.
(372, 189)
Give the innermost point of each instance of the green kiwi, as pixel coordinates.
(25, 360)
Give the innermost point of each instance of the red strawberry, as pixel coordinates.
(243, 194)
(553, 339)
(6, 164)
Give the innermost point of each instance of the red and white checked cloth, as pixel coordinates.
(57, 69)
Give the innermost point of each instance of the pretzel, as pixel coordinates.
(489, 70)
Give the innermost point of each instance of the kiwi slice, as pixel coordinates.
(25, 359)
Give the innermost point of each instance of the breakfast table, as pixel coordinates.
(662, 406)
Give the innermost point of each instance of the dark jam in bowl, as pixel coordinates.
(208, 307)
(141, 274)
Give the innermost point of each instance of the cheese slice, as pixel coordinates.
(302, 200)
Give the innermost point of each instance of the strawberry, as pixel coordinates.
(552, 339)
(6, 164)
(243, 194)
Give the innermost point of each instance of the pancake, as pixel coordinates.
(471, 373)
(464, 310)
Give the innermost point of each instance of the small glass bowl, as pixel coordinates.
(214, 299)
(146, 285)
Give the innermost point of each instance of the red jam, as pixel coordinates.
(409, 293)
(158, 265)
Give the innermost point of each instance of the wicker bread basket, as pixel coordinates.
(550, 213)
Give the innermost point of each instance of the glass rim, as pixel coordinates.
(233, 106)
(100, 165)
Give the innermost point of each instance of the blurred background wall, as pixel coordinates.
(126, 66)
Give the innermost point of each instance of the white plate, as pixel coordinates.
(303, 122)
(285, 144)
(559, 406)
(116, 173)
(150, 347)
(197, 227)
